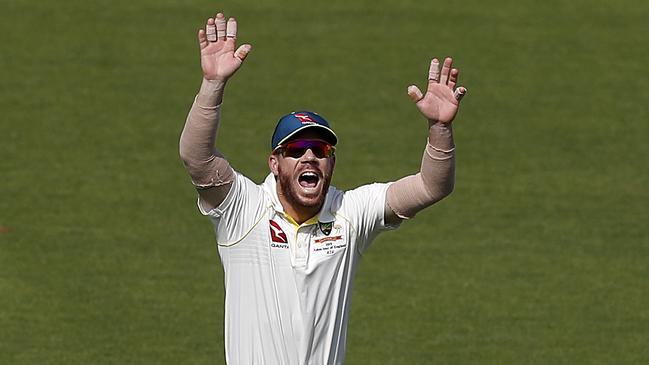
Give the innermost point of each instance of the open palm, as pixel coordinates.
(219, 59)
(442, 100)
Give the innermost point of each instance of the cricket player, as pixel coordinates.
(291, 245)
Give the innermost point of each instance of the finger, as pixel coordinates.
(433, 71)
(210, 29)
(453, 78)
(242, 52)
(446, 70)
(231, 28)
(459, 93)
(202, 39)
(414, 93)
(220, 26)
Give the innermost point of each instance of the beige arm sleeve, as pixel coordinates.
(435, 181)
(209, 170)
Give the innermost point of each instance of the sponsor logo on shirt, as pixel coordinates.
(277, 235)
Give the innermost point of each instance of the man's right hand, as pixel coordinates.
(217, 42)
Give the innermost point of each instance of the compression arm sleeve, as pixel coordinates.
(206, 166)
(435, 180)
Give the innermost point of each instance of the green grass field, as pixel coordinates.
(540, 256)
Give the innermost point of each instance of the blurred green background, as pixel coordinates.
(540, 256)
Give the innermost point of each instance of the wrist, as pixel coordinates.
(211, 92)
(438, 124)
(440, 136)
(210, 87)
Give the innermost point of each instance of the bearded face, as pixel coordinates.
(303, 178)
(304, 182)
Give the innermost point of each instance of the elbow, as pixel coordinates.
(435, 194)
(192, 164)
(191, 155)
(438, 189)
(184, 154)
(183, 151)
(448, 188)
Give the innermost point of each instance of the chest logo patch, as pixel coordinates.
(325, 227)
(276, 233)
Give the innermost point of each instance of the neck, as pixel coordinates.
(300, 214)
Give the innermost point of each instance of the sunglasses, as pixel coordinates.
(298, 148)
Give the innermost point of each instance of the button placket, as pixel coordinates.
(303, 244)
(301, 252)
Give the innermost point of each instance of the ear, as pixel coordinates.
(273, 164)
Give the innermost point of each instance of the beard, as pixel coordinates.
(295, 196)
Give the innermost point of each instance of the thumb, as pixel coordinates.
(414, 93)
(242, 52)
(459, 93)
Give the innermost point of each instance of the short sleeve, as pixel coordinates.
(238, 212)
(365, 206)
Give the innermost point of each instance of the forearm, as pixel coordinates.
(206, 166)
(433, 182)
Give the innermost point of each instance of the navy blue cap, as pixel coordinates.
(290, 124)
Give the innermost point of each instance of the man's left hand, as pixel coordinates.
(442, 99)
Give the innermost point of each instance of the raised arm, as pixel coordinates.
(209, 170)
(436, 177)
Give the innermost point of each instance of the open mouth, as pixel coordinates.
(308, 179)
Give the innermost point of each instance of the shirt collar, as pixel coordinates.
(325, 215)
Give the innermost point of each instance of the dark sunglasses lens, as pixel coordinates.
(298, 148)
(294, 152)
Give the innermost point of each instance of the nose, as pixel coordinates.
(309, 155)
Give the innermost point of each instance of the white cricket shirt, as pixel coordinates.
(288, 286)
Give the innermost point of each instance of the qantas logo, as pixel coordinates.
(276, 233)
(305, 118)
